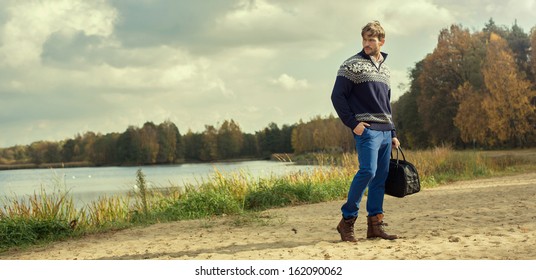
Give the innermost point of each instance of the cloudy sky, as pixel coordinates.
(71, 66)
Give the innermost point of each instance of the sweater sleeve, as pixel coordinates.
(339, 98)
(393, 132)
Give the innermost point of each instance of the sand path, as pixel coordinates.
(481, 219)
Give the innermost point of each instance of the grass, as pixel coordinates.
(45, 217)
(443, 165)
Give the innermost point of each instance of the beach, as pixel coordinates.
(484, 219)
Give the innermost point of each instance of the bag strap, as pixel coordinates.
(401, 151)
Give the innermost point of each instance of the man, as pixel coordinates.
(361, 96)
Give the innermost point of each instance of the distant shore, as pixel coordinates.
(45, 165)
(15, 166)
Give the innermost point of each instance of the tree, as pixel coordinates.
(453, 62)
(179, 146)
(86, 145)
(250, 147)
(519, 43)
(509, 94)
(45, 152)
(269, 139)
(103, 151)
(285, 145)
(15, 154)
(408, 121)
(168, 142)
(320, 135)
(129, 146)
(491, 27)
(229, 140)
(533, 55)
(68, 151)
(472, 119)
(149, 142)
(301, 142)
(209, 144)
(37, 152)
(192, 145)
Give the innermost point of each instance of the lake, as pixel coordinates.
(89, 183)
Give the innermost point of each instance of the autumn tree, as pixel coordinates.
(507, 103)
(86, 142)
(454, 61)
(301, 139)
(322, 134)
(532, 119)
(472, 119)
(44, 152)
(14, 154)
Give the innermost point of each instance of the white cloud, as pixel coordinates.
(31, 22)
(252, 15)
(413, 17)
(290, 83)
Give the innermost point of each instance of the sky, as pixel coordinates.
(73, 66)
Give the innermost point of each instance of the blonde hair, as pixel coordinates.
(374, 29)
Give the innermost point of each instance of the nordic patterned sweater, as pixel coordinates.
(362, 93)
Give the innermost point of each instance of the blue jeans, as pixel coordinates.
(373, 153)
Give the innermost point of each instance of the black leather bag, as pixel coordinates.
(403, 178)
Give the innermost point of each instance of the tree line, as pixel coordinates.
(164, 144)
(476, 89)
(155, 144)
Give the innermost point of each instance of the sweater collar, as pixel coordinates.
(363, 54)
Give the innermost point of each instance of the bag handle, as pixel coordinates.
(401, 151)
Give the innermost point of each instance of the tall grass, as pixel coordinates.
(442, 165)
(44, 217)
(39, 217)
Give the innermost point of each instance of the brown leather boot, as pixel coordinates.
(375, 228)
(346, 229)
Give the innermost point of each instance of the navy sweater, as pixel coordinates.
(362, 93)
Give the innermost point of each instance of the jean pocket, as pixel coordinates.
(363, 134)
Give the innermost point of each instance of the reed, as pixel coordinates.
(40, 217)
(222, 194)
(442, 164)
(106, 212)
(142, 186)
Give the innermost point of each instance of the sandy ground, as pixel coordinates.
(481, 219)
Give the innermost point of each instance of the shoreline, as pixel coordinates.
(58, 165)
(483, 219)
